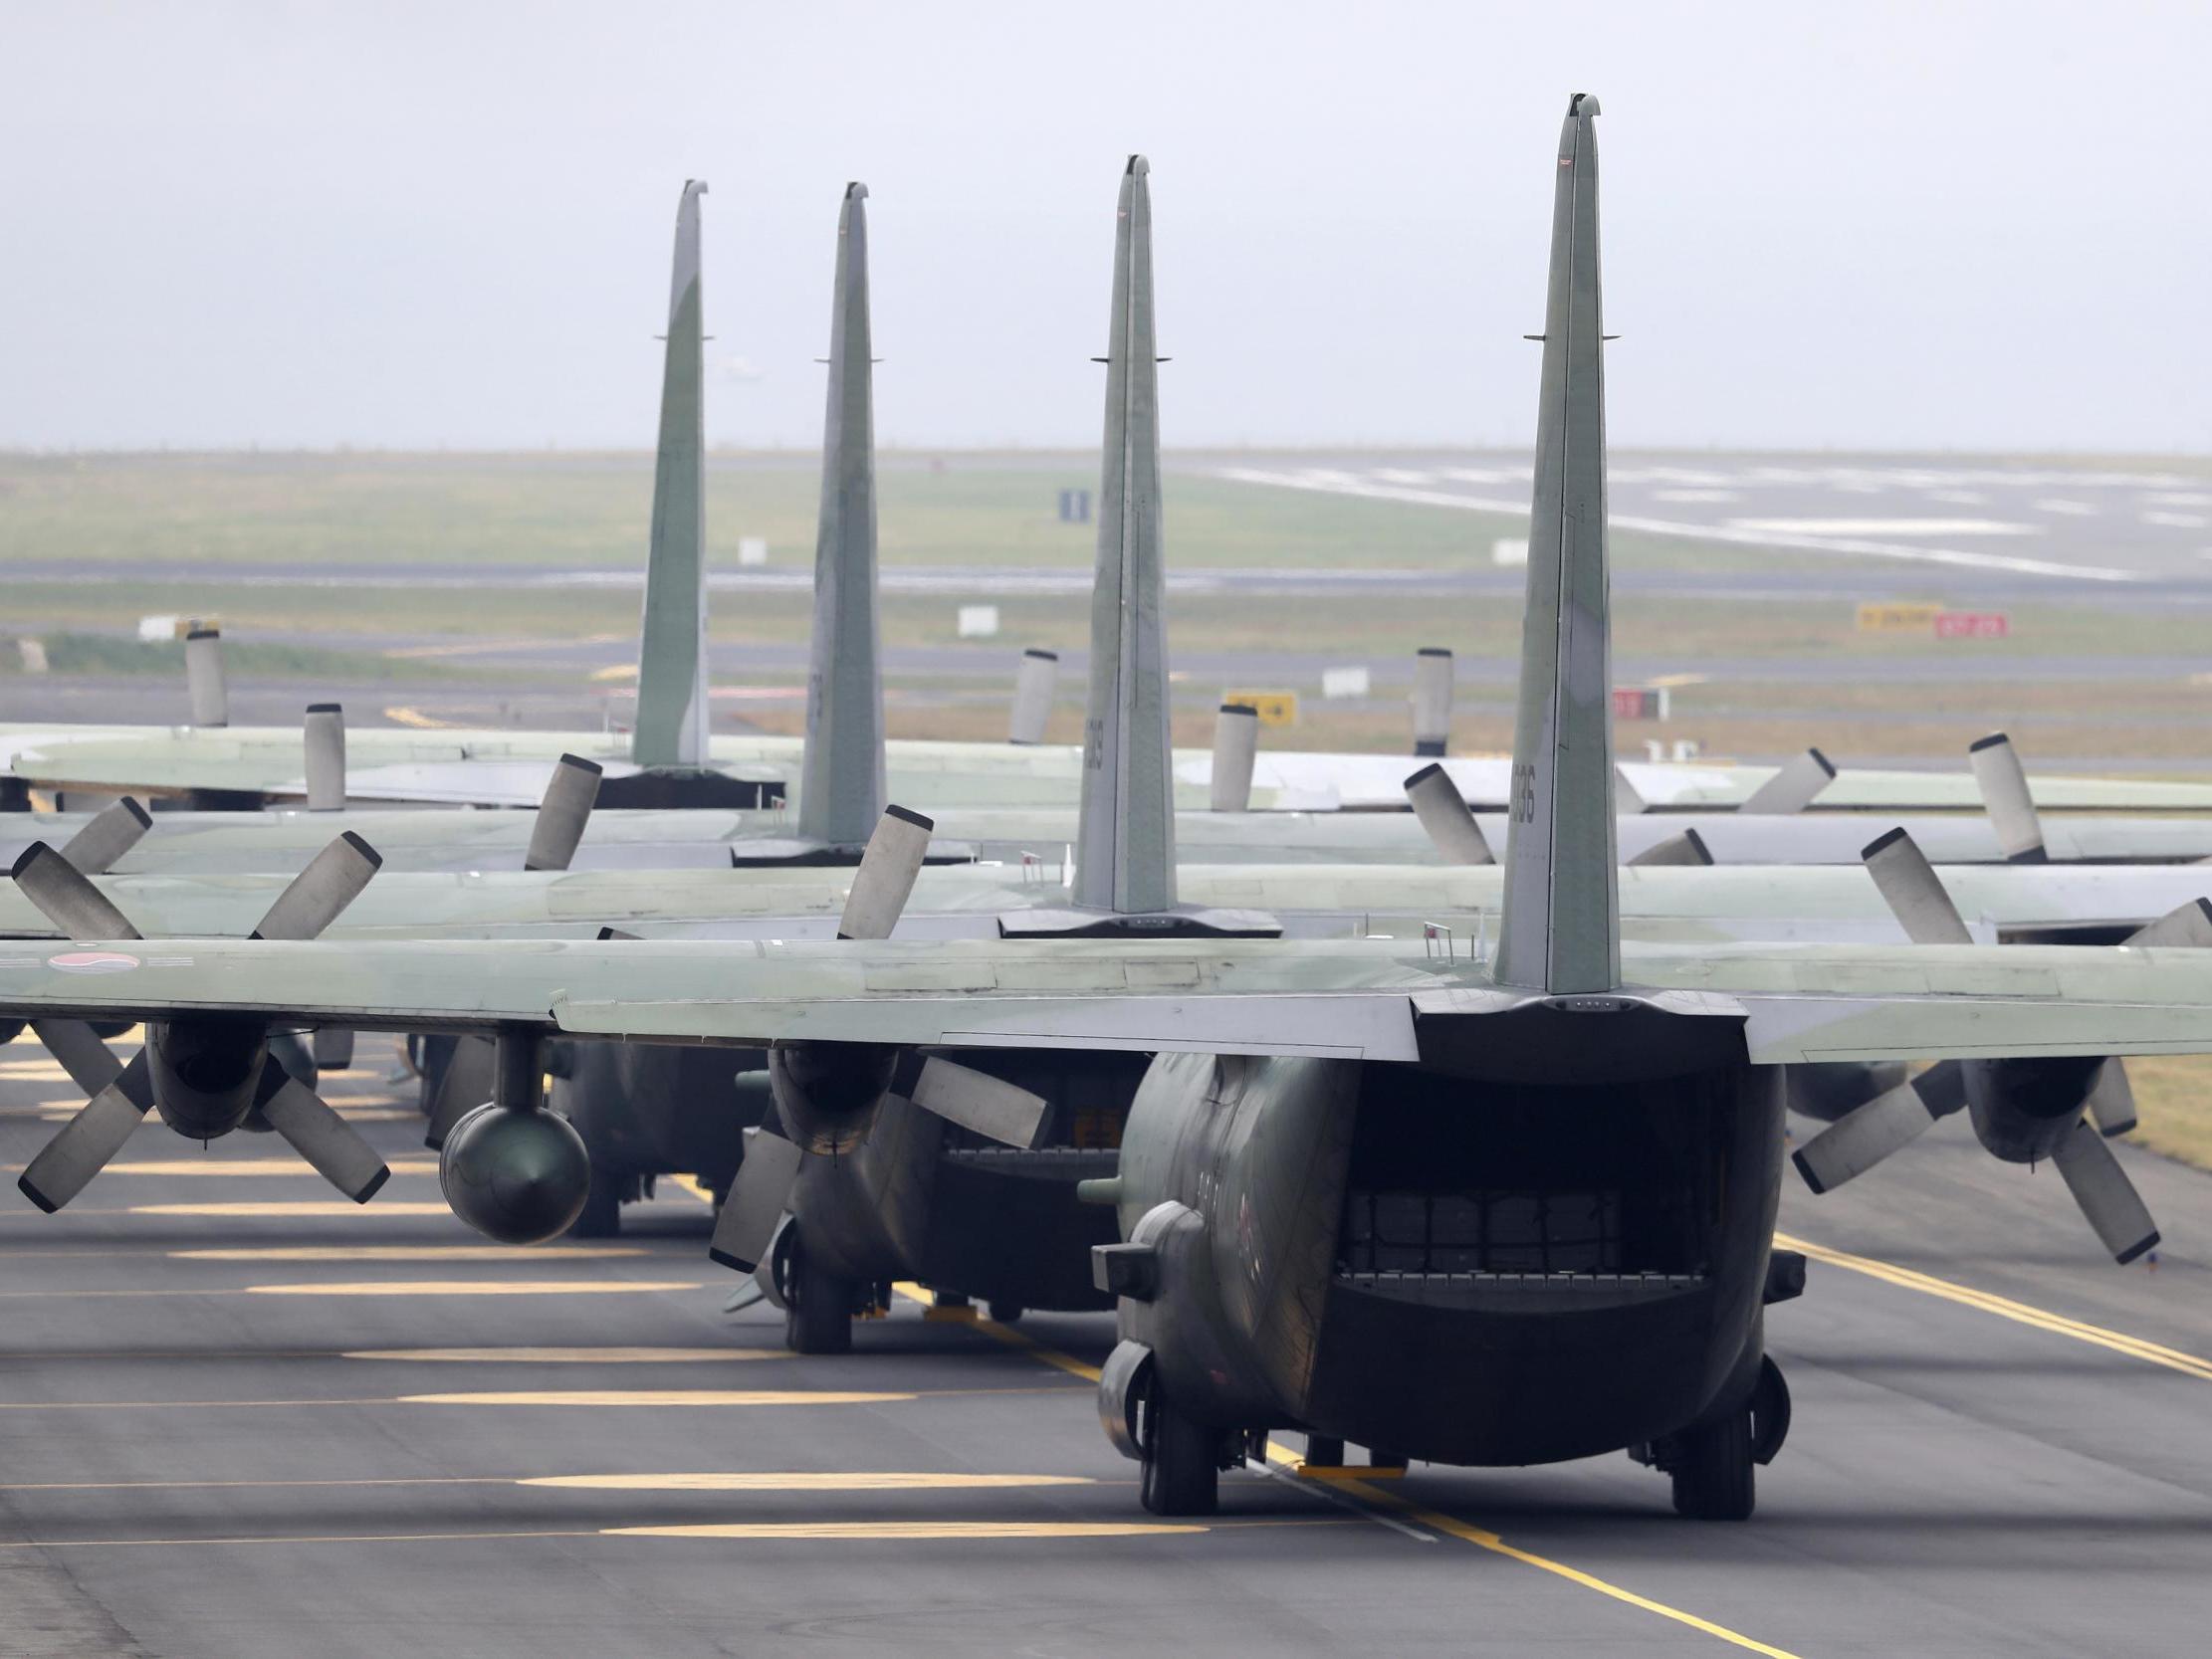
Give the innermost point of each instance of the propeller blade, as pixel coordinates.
(319, 894)
(333, 1048)
(1236, 748)
(1033, 696)
(888, 866)
(1625, 800)
(328, 1141)
(1432, 700)
(2112, 1100)
(92, 1065)
(2004, 789)
(1914, 892)
(562, 812)
(111, 832)
(66, 897)
(1686, 848)
(203, 677)
(2107, 1197)
(322, 742)
(1863, 1137)
(978, 1100)
(464, 1086)
(757, 1201)
(1793, 786)
(2189, 927)
(88, 1140)
(1444, 819)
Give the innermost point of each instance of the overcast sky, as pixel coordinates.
(1965, 226)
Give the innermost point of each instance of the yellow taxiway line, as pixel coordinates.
(2118, 1342)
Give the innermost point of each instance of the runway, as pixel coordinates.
(282, 1432)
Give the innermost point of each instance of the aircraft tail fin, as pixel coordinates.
(1125, 837)
(1560, 930)
(671, 727)
(841, 787)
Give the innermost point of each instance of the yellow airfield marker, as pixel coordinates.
(756, 1481)
(665, 1396)
(300, 1207)
(476, 1287)
(913, 1530)
(998, 1333)
(567, 1355)
(407, 1253)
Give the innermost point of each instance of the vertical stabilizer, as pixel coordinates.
(1560, 930)
(672, 643)
(841, 791)
(1125, 841)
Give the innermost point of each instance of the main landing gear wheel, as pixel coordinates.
(1005, 1312)
(601, 1217)
(1712, 1470)
(1182, 1472)
(818, 1315)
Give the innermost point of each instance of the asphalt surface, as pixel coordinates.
(232, 1455)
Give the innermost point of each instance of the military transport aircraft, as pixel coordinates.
(1550, 1173)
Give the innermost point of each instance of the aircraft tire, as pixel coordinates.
(1180, 1465)
(1714, 1475)
(602, 1215)
(1005, 1312)
(820, 1318)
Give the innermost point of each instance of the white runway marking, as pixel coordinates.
(2176, 521)
(2179, 497)
(1697, 495)
(1331, 481)
(1884, 527)
(2074, 510)
(1958, 498)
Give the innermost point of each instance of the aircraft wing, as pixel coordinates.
(1368, 999)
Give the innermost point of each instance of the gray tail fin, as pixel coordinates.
(672, 642)
(1560, 930)
(841, 788)
(1125, 839)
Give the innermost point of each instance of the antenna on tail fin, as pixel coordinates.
(1125, 839)
(672, 641)
(841, 788)
(1560, 929)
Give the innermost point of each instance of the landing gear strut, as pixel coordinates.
(1182, 1460)
(1713, 1465)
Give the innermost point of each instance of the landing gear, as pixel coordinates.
(601, 1217)
(817, 1314)
(1006, 1313)
(1712, 1470)
(1180, 1461)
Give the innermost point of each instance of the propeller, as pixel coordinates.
(2003, 783)
(122, 1094)
(1686, 848)
(322, 749)
(110, 833)
(203, 677)
(2019, 1130)
(1444, 819)
(1033, 696)
(562, 812)
(1793, 786)
(1235, 749)
(760, 1197)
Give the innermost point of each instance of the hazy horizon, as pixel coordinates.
(1902, 228)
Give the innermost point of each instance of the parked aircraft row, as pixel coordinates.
(1441, 1133)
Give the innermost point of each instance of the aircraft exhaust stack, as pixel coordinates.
(1033, 686)
(1560, 927)
(1432, 702)
(841, 789)
(671, 725)
(1235, 749)
(203, 677)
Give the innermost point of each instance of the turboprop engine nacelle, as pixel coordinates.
(518, 1175)
(206, 1072)
(828, 1092)
(2023, 1108)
